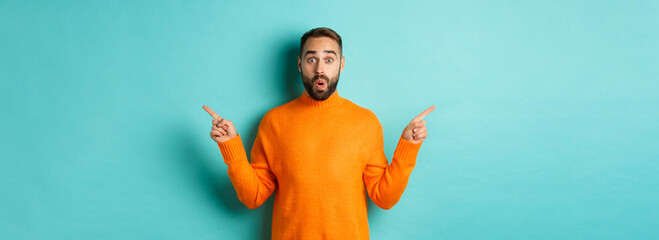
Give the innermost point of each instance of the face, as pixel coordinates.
(320, 65)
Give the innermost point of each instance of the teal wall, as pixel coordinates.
(545, 128)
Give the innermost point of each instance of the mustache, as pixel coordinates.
(319, 77)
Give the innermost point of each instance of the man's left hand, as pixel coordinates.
(416, 131)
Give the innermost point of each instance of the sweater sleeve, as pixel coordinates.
(385, 182)
(255, 182)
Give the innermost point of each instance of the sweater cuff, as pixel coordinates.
(407, 151)
(232, 150)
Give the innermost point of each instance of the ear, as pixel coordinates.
(299, 66)
(343, 63)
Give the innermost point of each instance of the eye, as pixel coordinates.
(329, 60)
(312, 60)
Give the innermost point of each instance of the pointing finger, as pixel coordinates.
(423, 114)
(211, 112)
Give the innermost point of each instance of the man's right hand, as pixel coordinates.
(223, 129)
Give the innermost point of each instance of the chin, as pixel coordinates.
(323, 95)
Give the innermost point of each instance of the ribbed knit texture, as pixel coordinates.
(323, 157)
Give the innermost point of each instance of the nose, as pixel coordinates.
(320, 68)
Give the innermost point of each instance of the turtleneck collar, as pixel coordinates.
(333, 100)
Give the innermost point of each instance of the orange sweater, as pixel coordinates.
(319, 155)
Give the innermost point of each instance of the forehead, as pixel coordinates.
(320, 44)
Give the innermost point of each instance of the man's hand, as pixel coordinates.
(223, 129)
(416, 131)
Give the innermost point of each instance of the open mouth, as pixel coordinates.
(321, 84)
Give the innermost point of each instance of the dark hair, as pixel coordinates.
(321, 32)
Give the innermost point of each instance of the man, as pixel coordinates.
(321, 152)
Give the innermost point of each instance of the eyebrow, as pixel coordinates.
(326, 51)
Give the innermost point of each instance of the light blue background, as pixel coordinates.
(545, 128)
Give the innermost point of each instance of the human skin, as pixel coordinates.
(320, 64)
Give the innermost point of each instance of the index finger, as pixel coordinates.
(423, 114)
(211, 112)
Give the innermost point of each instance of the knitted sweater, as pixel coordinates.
(322, 157)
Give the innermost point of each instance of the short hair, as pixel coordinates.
(321, 32)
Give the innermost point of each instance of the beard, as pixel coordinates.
(320, 95)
